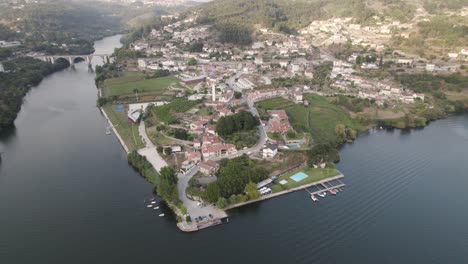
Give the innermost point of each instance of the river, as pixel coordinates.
(67, 195)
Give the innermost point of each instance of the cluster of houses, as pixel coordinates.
(278, 122)
(208, 146)
(380, 91)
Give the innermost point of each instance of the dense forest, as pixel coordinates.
(46, 26)
(22, 74)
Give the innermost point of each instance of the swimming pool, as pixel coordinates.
(299, 176)
(293, 146)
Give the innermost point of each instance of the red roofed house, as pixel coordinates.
(193, 157)
(277, 126)
(208, 167)
(217, 150)
(279, 114)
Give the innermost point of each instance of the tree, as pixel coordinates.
(221, 203)
(242, 121)
(291, 134)
(323, 153)
(167, 151)
(237, 95)
(213, 192)
(192, 62)
(252, 191)
(180, 133)
(350, 134)
(160, 149)
(340, 131)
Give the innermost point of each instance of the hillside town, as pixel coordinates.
(213, 72)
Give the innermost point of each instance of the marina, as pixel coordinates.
(321, 189)
(318, 187)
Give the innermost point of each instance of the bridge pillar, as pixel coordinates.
(71, 60)
(52, 60)
(89, 59)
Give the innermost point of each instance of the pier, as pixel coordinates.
(323, 187)
(321, 183)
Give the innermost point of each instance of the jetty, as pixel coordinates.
(320, 185)
(326, 186)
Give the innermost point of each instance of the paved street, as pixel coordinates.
(150, 151)
(192, 206)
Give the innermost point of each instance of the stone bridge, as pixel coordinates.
(72, 58)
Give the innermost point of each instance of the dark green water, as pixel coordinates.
(67, 195)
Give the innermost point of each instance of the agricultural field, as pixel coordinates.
(319, 118)
(130, 81)
(127, 130)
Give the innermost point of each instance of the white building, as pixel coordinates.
(269, 151)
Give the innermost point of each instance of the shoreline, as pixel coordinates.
(122, 143)
(295, 189)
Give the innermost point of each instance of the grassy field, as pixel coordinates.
(457, 96)
(126, 130)
(314, 175)
(319, 118)
(165, 113)
(130, 81)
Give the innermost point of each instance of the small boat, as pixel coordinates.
(149, 205)
(156, 208)
(153, 202)
(314, 198)
(322, 194)
(161, 215)
(333, 191)
(108, 132)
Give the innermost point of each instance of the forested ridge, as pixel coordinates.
(21, 75)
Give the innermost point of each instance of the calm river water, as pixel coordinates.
(67, 195)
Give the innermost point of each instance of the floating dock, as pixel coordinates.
(326, 186)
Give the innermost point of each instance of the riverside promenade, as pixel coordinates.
(149, 151)
(122, 143)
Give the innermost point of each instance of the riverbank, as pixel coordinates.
(122, 143)
(302, 187)
(19, 77)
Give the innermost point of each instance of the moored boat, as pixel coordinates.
(314, 198)
(322, 194)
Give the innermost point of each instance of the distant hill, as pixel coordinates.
(286, 15)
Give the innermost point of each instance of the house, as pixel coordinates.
(227, 97)
(196, 143)
(224, 112)
(211, 129)
(297, 96)
(217, 150)
(208, 167)
(175, 149)
(276, 126)
(197, 124)
(193, 157)
(270, 151)
(278, 114)
(134, 116)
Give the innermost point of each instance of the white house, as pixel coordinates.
(269, 151)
